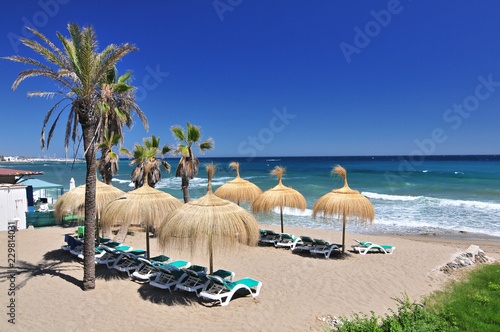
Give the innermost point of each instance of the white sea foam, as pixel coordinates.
(390, 197)
(436, 201)
(466, 204)
(120, 180)
(294, 212)
(175, 183)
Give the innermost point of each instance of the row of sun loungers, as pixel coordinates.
(298, 244)
(163, 273)
(317, 246)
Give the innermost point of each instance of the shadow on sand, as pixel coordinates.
(102, 272)
(25, 271)
(334, 255)
(162, 296)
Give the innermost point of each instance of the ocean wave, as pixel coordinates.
(387, 197)
(273, 159)
(443, 202)
(466, 204)
(294, 212)
(120, 180)
(175, 183)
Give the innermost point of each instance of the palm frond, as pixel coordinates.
(193, 133)
(166, 149)
(124, 150)
(43, 94)
(64, 62)
(207, 145)
(47, 117)
(166, 166)
(178, 132)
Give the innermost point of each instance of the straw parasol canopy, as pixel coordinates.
(346, 203)
(144, 207)
(279, 196)
(238, 190)
(73, 201)
(209, 222)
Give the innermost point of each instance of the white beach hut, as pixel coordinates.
(13, 206)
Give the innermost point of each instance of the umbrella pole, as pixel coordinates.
(343, 237)
(281, 212)
(97, 236)
(147, 242)
(211, 255)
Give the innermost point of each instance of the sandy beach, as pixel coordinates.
(296, 288)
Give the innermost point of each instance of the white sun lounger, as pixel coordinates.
(364, 247)
(147, 268)
(286, 241)
(219, 289)
(198, 281)
(168, 276)
(326, 250)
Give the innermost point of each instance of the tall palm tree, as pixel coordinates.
(108, 164)
(117, 107)
(77, 70)
(188, 166)
(148, 157)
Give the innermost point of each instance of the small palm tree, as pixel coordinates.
(117, 104)
(117, 107)
(78, 71)
(146, 157)
(188, 166)
(108, 164)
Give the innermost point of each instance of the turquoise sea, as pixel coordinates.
(411, 195)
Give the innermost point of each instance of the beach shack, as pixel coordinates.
(41, 193)
(41, 197)
(13, 206)
(26, 200)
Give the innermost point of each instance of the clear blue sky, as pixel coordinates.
(345, 77)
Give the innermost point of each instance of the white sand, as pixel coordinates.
(296, 289)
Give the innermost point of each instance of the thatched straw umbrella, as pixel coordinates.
(73, 201)
(279, 196)
(238, 190)
(145, 207)
(344, 202)
(209, 222)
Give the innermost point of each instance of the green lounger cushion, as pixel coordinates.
(245, 281)
(178, 264)
(137, 252)
(160, 258)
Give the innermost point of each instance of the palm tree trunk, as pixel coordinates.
(90, 181)
(185, 189)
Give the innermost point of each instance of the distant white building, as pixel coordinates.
(11, 158)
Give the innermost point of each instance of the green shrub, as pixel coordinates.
(471, 305)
